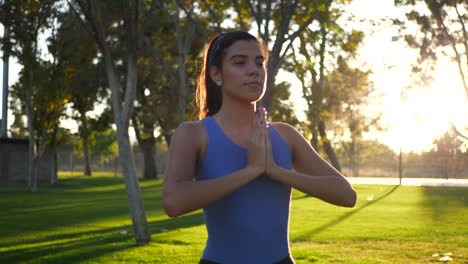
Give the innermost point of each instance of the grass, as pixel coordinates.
(86, 220)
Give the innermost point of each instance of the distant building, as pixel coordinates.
(14, 161)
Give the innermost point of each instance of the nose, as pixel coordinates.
(253, 69)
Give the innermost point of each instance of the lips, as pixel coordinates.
(253, 84)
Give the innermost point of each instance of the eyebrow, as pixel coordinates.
(245, 56)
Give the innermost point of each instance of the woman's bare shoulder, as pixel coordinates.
(193, 130)
(288, 132)
(191, 135)
(285, 129)
(191, 126)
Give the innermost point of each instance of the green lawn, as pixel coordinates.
(85, 220)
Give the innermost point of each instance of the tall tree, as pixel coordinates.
(26, 19)
(161, 68)
(128, 22)
(43, 110)
(348, 91)
(82, 72)
(319, 47)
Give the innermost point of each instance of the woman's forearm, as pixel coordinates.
(186, 196)
(334, 189)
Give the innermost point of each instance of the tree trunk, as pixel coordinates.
(283, 39)
(32, 184)
(123, 110)
(149, 156)
(267, 99)
(327, 146)
(134, 196)
(84, 134)
(6, 58)
(313, 128)
(168, 139)
(54, 176)
(148, 148)
(87, 167)
(182, 52)
(354, 157)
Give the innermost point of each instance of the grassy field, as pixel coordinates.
(85, 220)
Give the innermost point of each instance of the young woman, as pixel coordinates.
(237, 166)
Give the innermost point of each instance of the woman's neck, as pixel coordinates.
(236, 114)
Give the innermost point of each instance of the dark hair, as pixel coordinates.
(208, 95)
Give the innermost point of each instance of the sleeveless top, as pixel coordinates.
(249, 225)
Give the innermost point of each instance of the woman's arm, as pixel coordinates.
(312, 174)
(181, 194)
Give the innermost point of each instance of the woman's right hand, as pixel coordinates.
(257, 152)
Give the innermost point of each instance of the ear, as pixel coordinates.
(215, 74)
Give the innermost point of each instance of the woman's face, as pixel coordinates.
(243, 71)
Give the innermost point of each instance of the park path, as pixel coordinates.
(410, 181)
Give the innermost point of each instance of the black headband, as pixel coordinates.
(215, 47)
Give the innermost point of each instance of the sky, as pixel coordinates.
(412, 122)
(424, 113)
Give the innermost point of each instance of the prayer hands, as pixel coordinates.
(260, 154)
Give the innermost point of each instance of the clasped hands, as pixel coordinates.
(260, 154)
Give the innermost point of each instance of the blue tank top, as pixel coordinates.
(249, 225)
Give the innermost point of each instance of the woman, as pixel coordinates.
(237, 166)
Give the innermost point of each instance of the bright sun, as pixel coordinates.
(425, 113)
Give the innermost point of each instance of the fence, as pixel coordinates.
(67, 161)
(413, 165)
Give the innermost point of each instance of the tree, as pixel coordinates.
(102, 146)
(441, 24)
(348, 91)
(43, 109)
(161, 68)
(62, 139)
(372, 154)
(448, 151)
(279, 23)
(283, 106)
(25, 20)
(82, 73)
(129, 16)
(320, 46)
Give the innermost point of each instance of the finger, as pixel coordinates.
(263, 122)
(266, 117)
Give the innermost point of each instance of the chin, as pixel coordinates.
(255, 97)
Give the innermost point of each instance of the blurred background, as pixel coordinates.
(379, 88)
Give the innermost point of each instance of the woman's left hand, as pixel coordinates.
(270, 164)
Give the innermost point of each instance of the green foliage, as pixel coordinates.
(282, 110)
(25, 20)
(45, 102)
(102, 145)
(347, 91)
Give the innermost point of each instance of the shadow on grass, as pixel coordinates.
(81, 246)
(305, 236)
(445, 202)
(69, 248)
(39, 214)
(56, 224)
(169, 224)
